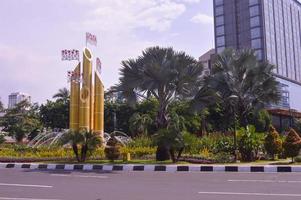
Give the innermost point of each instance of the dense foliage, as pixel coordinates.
(273, 142)
(250, 143)
(83, 143)
(243, 84)
(292, 144)
(22, 121)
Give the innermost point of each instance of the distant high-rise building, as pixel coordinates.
(272, 28)
(206, 60)
(17, 97)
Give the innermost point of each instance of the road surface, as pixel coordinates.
(20, 184)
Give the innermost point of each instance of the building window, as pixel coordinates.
(254, 11)
(255, 33)
(219, 10)
(219, 2)
(220, 30)
(219, 20)
(253, 2)
(256, 44)
(220, 41)
(255, 21)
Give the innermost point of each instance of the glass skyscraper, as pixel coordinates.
(272, 28)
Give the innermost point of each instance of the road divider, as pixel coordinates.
(157, 168)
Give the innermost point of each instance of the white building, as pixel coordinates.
(17, 97)
(206, 60)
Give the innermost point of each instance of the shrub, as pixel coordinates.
(223, 157)
(141, 141)
(138, 152)
(192, 143)
(224, 144)
(273, 142)
(2, 140)
(113, 149)
(249, 143)
(83, 143)
(292, 144)
(170, 144)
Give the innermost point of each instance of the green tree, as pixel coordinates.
(22, 120)
(273, 142)
(163, 74)
(292, 144)
(170, 141)
(260, 119)
(2, 140)
(243, 83)
(1, 106)
(249, 142)
(117, 114)
(139, 124)
(55, 114)
(83, 143)
(192, 120)
(62, 95)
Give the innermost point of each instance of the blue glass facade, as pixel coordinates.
(272, 28)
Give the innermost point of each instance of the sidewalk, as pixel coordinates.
(154, 168)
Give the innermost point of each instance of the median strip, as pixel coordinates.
(157, 168)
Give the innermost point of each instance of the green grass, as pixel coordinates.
(116, 162)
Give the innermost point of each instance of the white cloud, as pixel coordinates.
(189, 1)
(155, 15)
(202, 19)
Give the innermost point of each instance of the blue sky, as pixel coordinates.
(33, 33)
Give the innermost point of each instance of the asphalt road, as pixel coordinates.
(18, 184)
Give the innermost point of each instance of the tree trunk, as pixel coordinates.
(84, 152)
(75, 150)
(162, 153)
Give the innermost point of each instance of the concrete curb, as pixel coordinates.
(150, 168)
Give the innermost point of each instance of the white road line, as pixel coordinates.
(265, 181)
(250, 194)
(25, 185)
(78, 176)
(10, 198)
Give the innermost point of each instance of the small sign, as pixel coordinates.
(70, 54)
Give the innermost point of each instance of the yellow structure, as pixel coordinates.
(99, 106)
(74, 102)
(87, 101)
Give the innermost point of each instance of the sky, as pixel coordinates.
(33, 33)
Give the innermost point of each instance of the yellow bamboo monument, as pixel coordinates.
(99, 106)
(74, 102)
(87, 101)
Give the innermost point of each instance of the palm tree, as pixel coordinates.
(243, 83)
(161, 73)
(139, 123)
(62, 95)
(83, 143)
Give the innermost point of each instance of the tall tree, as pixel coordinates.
(243, 83)
(62, 95)
(55, 114)
(1, 106)
(22, 120)
(161, 73)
